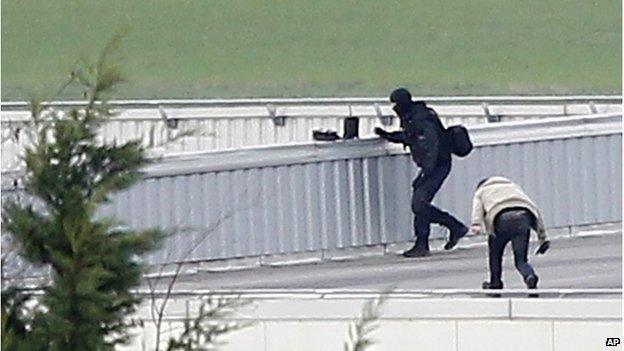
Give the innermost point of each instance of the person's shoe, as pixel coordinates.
(454, 237)
(416, 252)
(490, 286)
(531, 282)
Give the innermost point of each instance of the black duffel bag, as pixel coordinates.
(460, 140)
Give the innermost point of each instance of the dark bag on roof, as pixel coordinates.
(460, 140)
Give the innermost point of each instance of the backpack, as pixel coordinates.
(455, 139)
(460, 140)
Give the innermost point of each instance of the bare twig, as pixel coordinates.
(208, 325)
(158, 311)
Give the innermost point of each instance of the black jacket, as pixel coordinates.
(424, 134)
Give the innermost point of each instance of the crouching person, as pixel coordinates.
(503, 211)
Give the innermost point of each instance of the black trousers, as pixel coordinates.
(424, 188)
(510, 225)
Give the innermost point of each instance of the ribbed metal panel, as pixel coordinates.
(286, 200)
(220, 128)
(350, 203)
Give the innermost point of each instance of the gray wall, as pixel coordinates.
(365, 199)
(335, 195)
(406, 323)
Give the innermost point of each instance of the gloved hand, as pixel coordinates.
(543, 247)
(380, 132)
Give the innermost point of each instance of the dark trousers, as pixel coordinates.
(424, 188)
(510, 225)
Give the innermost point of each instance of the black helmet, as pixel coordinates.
(401, 96)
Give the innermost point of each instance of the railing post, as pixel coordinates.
(278, 121)
(490, 117)
(385, 120)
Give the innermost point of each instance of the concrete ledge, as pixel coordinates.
(309, 308)
(394, 309)
(393, 335)
(457, 308)
(310, 323)
(354, 253)
(302, 307)
(567, 309)
(230, 264)
(596, 229)
(291, 259)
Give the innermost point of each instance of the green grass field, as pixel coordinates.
(234, 48)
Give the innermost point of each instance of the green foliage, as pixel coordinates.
(13, 319)
(94, 262)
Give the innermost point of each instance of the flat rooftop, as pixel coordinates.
(582, 262)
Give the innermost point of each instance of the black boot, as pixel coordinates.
(488, 286)
(456, 234)
(417, 251)
(531, 282)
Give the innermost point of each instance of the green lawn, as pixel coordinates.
(234, 48)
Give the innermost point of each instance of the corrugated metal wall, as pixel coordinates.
(364, 201)
(356, 201)
(236, 127)
(349, 203)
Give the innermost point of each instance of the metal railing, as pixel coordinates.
(566, 99)
(369, 293)
(234, 124)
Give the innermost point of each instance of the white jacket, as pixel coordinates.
(497, 194)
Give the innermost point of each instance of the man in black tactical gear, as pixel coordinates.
(423, 132)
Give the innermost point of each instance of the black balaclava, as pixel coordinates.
(403, 102)
(401, 97)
